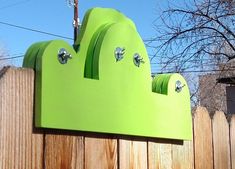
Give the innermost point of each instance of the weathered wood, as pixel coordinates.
(132, 154)
(232, 141)
(203, 148)
(100, 153)
(221, 141)
(182, 155)
(63, 151)
(23, 146)
(20, 147)
(160, 154)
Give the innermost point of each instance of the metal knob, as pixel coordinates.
(119, 52)
(178, 86)
(63, 56)
(137, 59)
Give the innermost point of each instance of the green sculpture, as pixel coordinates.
(103, 83)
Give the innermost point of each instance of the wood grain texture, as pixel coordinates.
(159, 155)
(20, 147)
(203, 148)
(182, 155)
(132, 154)
(24, 147)
(100, 153)
(63, 151)
(232, 141)
(221, 141)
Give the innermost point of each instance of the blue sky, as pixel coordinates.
(55, 16)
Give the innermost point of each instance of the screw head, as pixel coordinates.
(63, 56)
(178, 86)
(118, 53)
(137, 59)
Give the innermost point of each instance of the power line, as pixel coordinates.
(192, 71)
(14, 4)
(153, 73)
(39, 31)
(35, 30)
(171, 64)
(182, 61)
(12, 57)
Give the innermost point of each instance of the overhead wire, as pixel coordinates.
(14, 4)
(69, 38)
(55, 35)
(38, 31)
(191, 71)
(153, 73)
(32, 30)
(11, 57)
(35, 30)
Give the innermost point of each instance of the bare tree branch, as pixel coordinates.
(196, 35)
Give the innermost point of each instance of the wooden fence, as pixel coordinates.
(25, 147)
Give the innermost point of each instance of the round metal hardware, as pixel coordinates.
(137, 59)
(178, 86)
(118, 53)
(63, 56)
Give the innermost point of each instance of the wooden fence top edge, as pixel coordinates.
(4, 70)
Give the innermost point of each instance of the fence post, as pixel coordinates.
(132, 154)
(232, 141)
(203, 148)
(63, 150)
(221, 141)
(182, 155)
(21, 146)
(100, 153)
(160, 154)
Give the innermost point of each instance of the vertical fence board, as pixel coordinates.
(232, 141)
(221, 141)
(63, 151)
(20, 147)
(203, 148)
(182, 155)
(160, 155)
(100, 153)
(23, 146)
(132, 154)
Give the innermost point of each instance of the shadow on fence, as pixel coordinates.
(22, 146)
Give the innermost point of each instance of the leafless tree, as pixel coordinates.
(199, 33)
(194, 36)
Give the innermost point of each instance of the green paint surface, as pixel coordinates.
(93, 92)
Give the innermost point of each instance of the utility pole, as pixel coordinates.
(76, 20)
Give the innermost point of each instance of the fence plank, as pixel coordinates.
(221, 141)
(100, 153)
(160, 154)
(63, 151)
(20, 147)
(232, 141)
(182, 155)
(203, 148)
(23, 146)
(132, 154)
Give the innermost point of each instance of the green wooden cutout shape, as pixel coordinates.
(94, 92)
